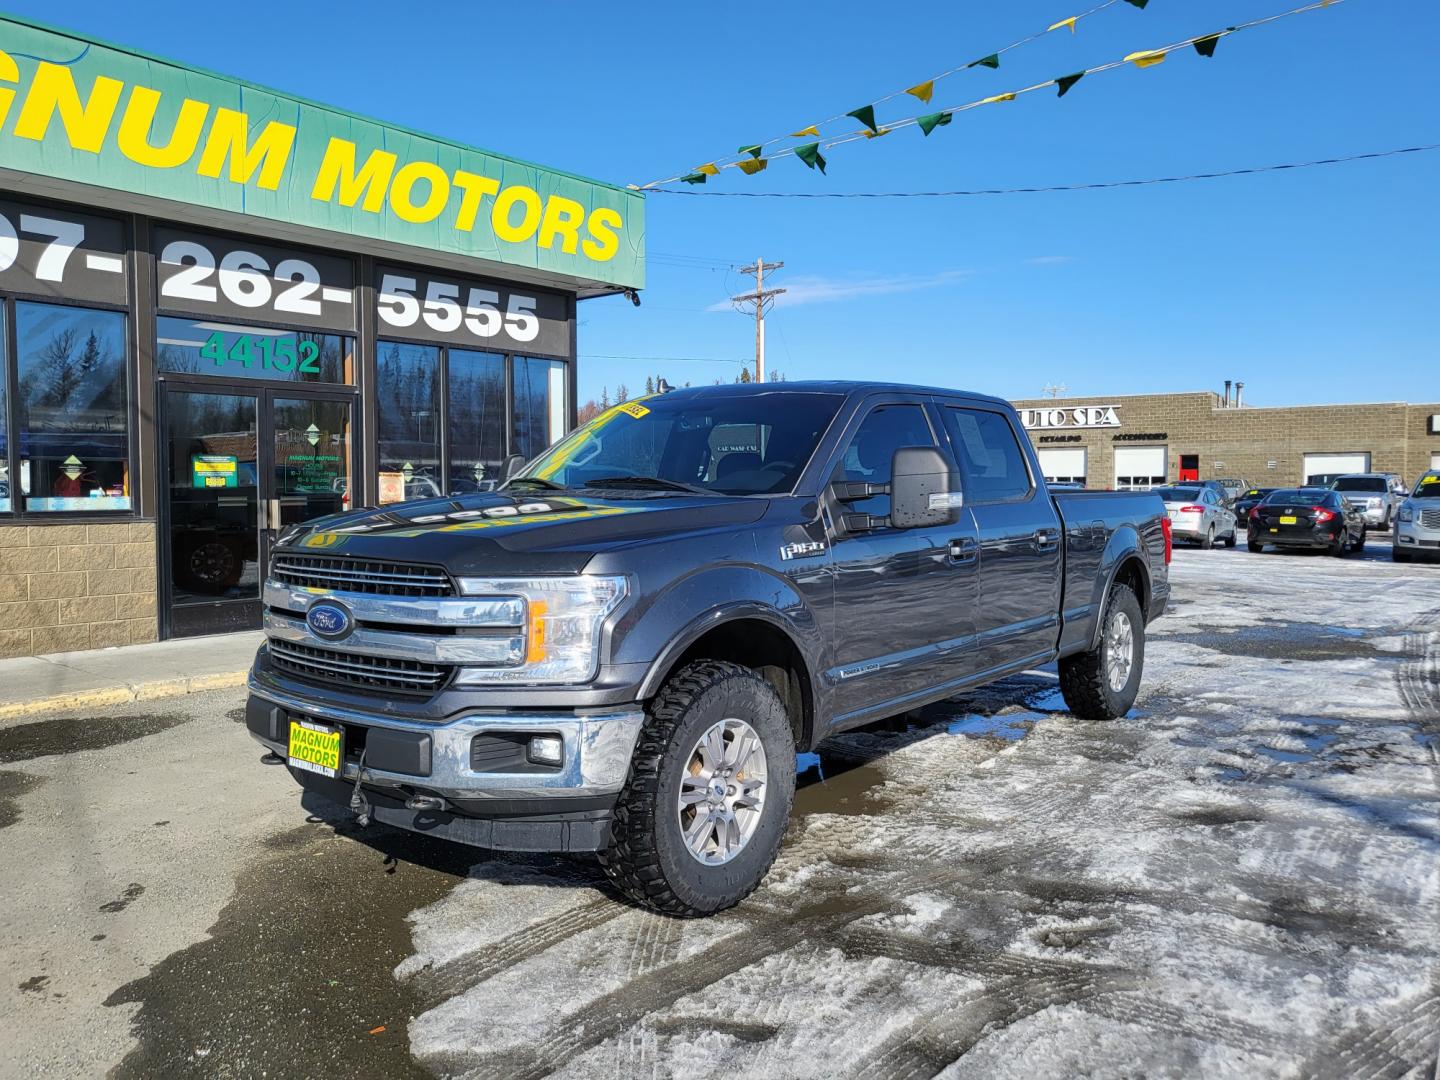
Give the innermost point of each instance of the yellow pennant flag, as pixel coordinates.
(1146, 58)
(875, 134)
(924, 91)
(1070, 22)
(998, 97)
(811, 130)
(709, 169)
(750, 166)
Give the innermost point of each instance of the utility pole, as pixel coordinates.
(762, 298)
(1054, 391)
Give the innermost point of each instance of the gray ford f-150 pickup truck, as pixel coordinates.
(623, 649)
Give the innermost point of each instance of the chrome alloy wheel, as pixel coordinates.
(722, 792)
(1119, 650)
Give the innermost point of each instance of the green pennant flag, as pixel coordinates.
(811, 156)
(991, 61)
(866, 115)
(934, 120)
(1206, 45)
(1138, 3)
(753, 151)
(1065, 82)
(693, 178)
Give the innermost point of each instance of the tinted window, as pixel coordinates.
(1361, 483)
(476, 398)
(992, 464)
(408, 381)
(1428, 487)
(869, 456)
(1178, 494)
(1286, 495)
(540, 408)
(72, 409)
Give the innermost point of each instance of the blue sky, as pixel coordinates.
(1311, 286)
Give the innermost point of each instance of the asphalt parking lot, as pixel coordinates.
(1241, 878)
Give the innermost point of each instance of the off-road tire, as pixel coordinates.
(1083, 681)
(646, 856)
(1208, 541)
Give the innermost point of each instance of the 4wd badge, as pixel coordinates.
(806, 550)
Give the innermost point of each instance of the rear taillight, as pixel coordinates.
(1321, 514)
(1192, 509)
(1169, 540)
(1254, 513)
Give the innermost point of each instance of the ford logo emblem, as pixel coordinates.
(329, 620)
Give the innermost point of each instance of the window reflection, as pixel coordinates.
(73, 408)
(540, 406)
(408, 384)
(476, 396)
(200, 347)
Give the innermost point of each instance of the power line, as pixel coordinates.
(668, 359)
(1252, 170)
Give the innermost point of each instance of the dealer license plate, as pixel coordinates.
(1288, 520)
(315, 747)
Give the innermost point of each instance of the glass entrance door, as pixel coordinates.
(241, 464)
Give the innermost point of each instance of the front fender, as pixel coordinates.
(699, 602)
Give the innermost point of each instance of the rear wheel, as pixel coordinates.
(1255, 545)
(1208, 541)
(702, 813)
(1102, 684)
(1339, 545)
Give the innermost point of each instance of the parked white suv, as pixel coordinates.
(1377, 494)
(1417, 521)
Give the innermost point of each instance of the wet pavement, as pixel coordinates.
(1238, 879)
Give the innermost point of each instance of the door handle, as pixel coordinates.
(1045, 540)
(963, 550)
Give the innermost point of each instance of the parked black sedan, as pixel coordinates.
(1308, 518)
(1248, 500)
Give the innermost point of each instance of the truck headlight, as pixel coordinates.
(563, 620)
(1407, 512)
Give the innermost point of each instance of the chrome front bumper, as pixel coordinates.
(598, 748)
(1416, 537)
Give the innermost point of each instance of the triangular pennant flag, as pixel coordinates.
(934, 120)
(693, 178)
(875, 134)
(1138, 3)
(750, 168)
(1070, 22)
(1146, 58)
(991, 61)
(998, 97)
(1206, 45)
(709, 169)
(810, 155)
(924, 91)
(811, 130)
(753, 151)
(1065, 82)
(866, 115)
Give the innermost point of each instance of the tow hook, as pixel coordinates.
(272, 758)
(424, 802)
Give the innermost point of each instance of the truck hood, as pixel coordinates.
(534, 532)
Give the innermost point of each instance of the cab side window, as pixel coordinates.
(992, 464)
(868, 457)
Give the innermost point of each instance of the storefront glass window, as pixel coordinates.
(540, 406)
(408, 387)
(4, 438)
(72, 409)
(476, 396)
(198, 347)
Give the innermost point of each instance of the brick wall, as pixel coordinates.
(69, 587)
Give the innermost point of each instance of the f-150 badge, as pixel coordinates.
(805, 550)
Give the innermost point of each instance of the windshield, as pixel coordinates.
(1428, 487)
(1361, 483)
(745, 443)
(1178, 494)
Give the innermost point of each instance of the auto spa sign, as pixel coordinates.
(82, 111)
(1080, 416)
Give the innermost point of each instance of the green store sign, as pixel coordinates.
(91, 113)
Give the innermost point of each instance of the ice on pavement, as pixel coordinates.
(1241, 879)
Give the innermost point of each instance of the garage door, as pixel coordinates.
(1138, 468)
(1063, 466)
(1435, 460)
(1323, 464)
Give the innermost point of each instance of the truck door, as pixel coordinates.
(903, 597)
(1017, 619)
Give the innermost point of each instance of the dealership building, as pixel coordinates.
(1137, 441)
(224, 310)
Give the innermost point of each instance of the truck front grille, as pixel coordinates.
(1430, 519)
(365, 673)
(369, 576)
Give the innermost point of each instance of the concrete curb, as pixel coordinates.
(122, 695)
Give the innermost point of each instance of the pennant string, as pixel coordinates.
(1128, 60)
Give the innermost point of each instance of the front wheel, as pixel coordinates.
(1103, 683)
(702, 813)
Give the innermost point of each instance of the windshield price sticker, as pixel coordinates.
(475, 314)
(247, 280)
(61, 253)
(634, 408)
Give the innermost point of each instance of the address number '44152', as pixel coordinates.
(441, 310)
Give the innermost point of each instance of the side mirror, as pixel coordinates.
(510, 466)
(924, 490)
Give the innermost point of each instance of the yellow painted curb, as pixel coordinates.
(122, 695)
